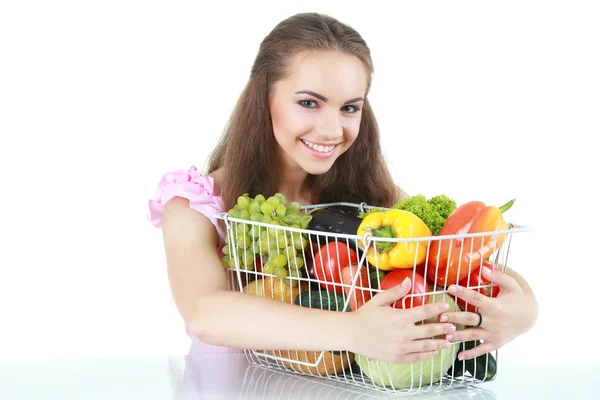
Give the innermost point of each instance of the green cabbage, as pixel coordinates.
(417, 374)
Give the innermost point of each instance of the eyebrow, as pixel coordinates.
(323, 98)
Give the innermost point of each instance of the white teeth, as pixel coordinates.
(319, 148)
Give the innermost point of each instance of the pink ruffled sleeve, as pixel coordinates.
(189, 184)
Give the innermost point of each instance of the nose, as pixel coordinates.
(330, 129)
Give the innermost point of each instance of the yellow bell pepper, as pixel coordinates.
(395, 224)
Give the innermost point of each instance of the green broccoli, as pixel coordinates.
(443, 204)
(433, 212)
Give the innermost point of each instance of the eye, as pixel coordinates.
(350, 109)
(308, 103)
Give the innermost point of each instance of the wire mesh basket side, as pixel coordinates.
(310, 269)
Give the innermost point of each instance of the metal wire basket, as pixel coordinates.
(254, 248)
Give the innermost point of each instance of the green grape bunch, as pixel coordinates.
(280, 251)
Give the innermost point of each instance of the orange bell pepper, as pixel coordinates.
(454, 259)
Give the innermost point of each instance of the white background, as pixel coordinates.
(99, 99)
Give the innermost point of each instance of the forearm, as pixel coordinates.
(520, 280)
(236, 319)
(534, 310)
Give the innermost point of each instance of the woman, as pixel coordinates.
(303, 127)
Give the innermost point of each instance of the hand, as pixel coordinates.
(504, 317)
(384, 333)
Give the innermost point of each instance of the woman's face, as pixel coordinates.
(316, 109)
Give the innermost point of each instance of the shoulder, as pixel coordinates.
(191, 189)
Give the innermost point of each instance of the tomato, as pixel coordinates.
(474, 280)
(419, 287)
(359, 297)
(329, 262)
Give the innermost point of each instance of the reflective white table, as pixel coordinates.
(231, 377)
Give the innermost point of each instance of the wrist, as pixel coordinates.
(347, 325)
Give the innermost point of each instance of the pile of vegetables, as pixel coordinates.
(325, 265)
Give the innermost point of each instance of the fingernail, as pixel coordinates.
(446, 306)
(443, 318)
(452, 328)
(445, 345)
(406, 281)
(449, 337)
(452, 289)
(487, 270)
(461, 356)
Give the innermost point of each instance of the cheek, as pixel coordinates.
(290, 122)
(351, 129)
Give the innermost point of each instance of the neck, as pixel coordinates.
(294, 184)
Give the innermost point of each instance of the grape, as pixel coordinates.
(282, 241)
(274, 201)
(226, 250)
(268, 268)
(267, 219)
(243, 241)
(280, 210)
(225, 261)
(290, 252)
(279, 261)
(248, 258)
(254, 208)
(259, 198)
(243, 202)
(294, 207)
(281, 198)
(240, 227)
(245, 214)
(256, 217)
(233, 213)
(297, 263)
(255, 232)
(281, 273)
(267, 208)
(232, 261)
(300, 243)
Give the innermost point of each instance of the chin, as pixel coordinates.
(316, 169)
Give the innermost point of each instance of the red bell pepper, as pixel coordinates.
(476, 279)
(454, 259)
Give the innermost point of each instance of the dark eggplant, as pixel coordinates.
(333, 221)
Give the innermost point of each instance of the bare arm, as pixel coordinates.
(235, 319)
(525, 286)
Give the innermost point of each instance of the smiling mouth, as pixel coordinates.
(319, 148)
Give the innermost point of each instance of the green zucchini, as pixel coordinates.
(483, 367)
(322, 299)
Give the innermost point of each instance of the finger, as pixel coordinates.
(426, 311)
(462, 318)
(472, 297)
(425, 345)
(416, 357)
(391, 295)
(506, 282)
(468, 334)
(476, 351)
(431, 330)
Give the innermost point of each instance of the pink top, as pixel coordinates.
(203, 197)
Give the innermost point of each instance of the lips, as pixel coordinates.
(318, 147)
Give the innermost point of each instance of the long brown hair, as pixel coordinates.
(247, 150)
